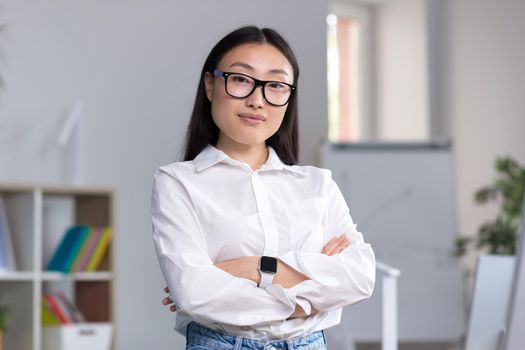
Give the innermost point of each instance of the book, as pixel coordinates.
(7, 254)
(100, 250)
(67, 249)
(82, 252)
(58, 309)
(91, 245)
(59, 256)
(74, 314)
(80, 238)
(48, 316)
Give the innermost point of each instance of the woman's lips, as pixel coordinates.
(252, 118)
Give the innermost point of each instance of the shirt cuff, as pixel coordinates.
(305, 305)
(289, 296)
(295, 260)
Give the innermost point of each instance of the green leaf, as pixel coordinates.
(500, 235)
(483, 195)
(460, 245)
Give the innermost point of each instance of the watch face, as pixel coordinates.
(268, 264)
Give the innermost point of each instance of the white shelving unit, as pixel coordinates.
(38, 216)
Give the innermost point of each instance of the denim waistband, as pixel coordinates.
(198, 334)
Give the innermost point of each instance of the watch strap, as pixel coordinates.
(266, 279)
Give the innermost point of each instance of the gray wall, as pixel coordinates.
(135, 64)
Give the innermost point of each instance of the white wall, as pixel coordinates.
(486, 54)
(135, 64)
(402, 71)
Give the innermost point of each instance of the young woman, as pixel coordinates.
(257, 252)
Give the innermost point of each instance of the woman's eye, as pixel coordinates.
(276, 85)
(240, 79)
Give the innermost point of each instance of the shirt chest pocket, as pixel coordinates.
(305, 222)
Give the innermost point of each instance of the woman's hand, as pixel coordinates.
(299, 312)
(168, 301)
(336, 245)
(246, 267)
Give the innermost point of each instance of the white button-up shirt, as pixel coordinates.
(215, 208)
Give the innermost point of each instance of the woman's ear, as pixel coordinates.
(208, 85)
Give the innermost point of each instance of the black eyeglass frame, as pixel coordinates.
(262, 83)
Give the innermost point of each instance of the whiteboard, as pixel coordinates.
(401, 198)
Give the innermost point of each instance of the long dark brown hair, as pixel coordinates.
(202, 129)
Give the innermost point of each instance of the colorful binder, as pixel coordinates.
(58, 310)
(75, 249)
(48, 316)
(100, 250)
(64, 252)
(82, 249)
(91, 245)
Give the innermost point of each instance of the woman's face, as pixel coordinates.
(251, 120)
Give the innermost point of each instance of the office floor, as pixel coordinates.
(411, 346)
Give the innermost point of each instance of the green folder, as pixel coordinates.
(80, 237)
(65, 253)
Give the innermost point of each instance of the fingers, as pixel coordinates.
(168, 301)
(336, 245)
(330, 246)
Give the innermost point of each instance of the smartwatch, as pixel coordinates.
(268, 269)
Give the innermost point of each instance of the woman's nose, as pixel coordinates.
(256, 98)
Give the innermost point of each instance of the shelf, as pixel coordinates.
(56, 276)
(17, 276)
(38, 216)
(77, 276)
(55, 189)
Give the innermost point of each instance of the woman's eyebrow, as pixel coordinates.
(248, 67)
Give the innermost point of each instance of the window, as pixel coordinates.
(378, 71)
(348, 117)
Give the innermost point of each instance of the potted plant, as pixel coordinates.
(4, 323)
(499, 236)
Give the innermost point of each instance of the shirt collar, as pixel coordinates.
(211, 155)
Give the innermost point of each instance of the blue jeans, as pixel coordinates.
(199, 337)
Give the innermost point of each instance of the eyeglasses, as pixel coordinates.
(276, 93)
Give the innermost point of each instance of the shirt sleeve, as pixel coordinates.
(341, 279)
(197, 287)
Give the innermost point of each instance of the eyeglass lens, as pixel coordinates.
(241, 86)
